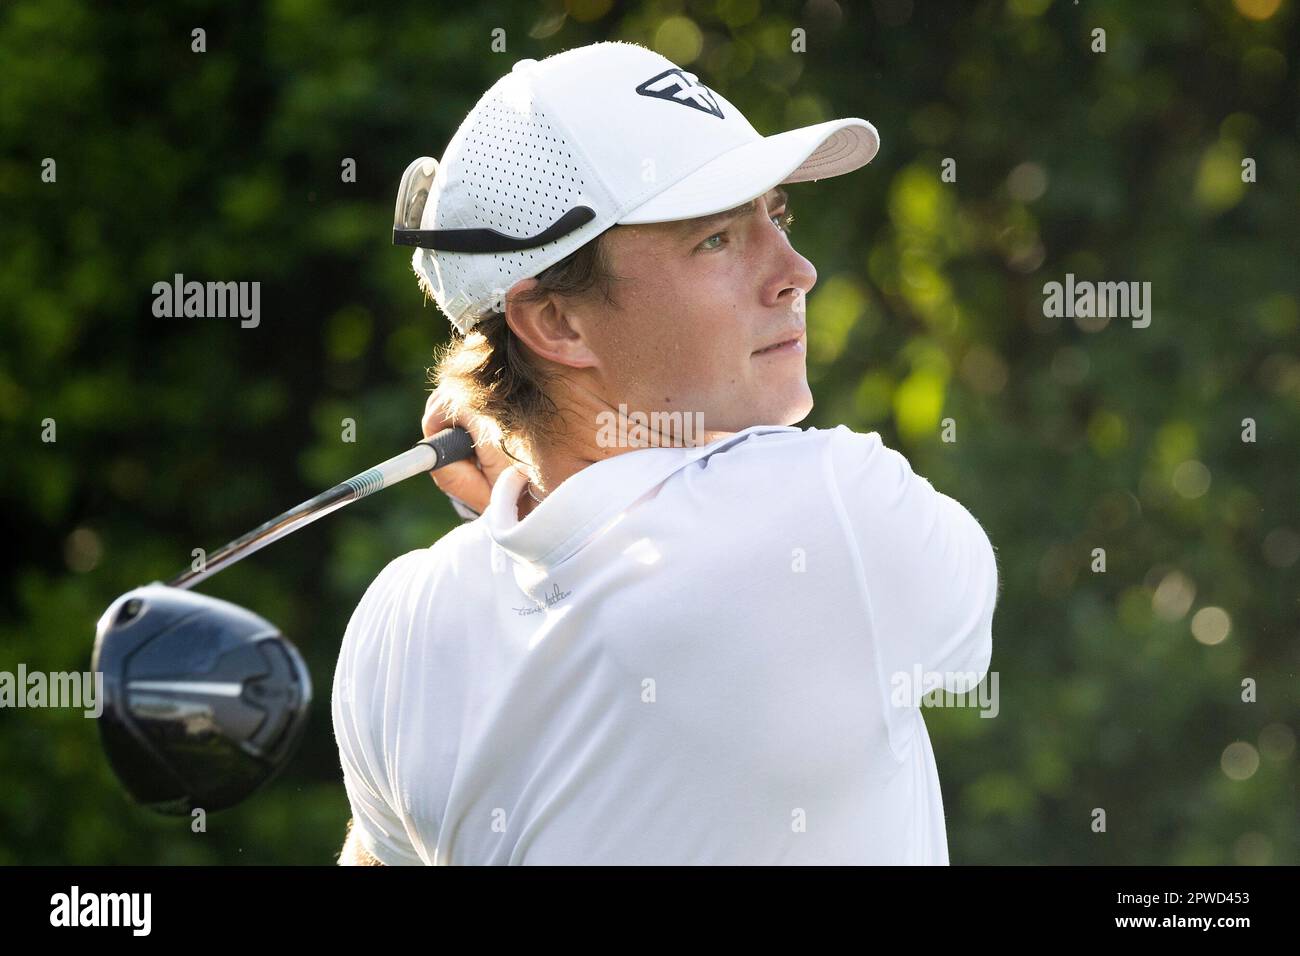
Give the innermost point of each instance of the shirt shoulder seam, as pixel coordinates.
(864, 591)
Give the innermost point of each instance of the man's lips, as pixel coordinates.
(791, 343)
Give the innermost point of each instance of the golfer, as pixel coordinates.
(678, 629)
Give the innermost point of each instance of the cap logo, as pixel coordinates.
(677, 86)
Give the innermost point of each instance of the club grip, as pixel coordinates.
(450, 444)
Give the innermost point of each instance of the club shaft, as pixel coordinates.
(452, 444)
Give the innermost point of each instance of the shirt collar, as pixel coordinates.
(587, 501)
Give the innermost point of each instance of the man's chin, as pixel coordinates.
(783, 416)
(799, 409)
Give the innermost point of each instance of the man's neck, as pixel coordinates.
(578, 448)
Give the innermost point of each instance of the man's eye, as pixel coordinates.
(783, 220)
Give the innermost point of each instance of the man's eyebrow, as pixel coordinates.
(777, 197)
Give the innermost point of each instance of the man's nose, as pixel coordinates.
(793, 275)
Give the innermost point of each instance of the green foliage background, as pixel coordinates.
(1122, 165)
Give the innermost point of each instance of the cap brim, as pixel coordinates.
(813, 152)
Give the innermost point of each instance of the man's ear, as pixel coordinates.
(544, 325)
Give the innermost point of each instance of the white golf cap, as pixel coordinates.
(561, 149)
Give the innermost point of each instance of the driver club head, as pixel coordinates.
(203, 701)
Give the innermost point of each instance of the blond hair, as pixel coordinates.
(491, 375)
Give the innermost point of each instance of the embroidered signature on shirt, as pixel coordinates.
(552, 598)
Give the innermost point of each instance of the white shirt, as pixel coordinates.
(681, 656)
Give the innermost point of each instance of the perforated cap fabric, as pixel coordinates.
(613, 127)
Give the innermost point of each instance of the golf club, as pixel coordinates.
(205, 701)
